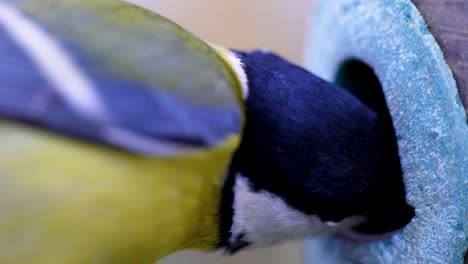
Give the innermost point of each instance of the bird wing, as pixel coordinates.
(116, 74)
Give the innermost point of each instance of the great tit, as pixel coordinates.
(125, 138)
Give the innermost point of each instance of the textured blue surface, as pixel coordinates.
(430, 123)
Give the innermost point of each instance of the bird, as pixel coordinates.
(125, 138)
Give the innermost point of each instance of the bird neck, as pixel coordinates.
(236, 65)
(207, 219)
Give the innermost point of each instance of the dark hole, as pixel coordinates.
(360, 79)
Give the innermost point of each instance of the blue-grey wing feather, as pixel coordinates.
(153, 114)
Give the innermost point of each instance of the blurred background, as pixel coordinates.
(277, 25)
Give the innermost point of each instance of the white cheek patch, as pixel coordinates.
(263, 218)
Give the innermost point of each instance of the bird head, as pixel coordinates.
(313, 160)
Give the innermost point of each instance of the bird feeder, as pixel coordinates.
(417, 53)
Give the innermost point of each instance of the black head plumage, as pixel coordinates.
(318, 147)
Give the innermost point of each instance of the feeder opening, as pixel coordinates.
(360, 79)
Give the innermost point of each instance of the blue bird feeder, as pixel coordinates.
(422, 69)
